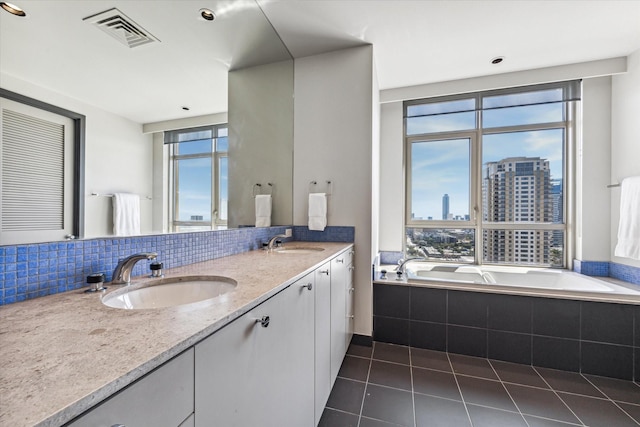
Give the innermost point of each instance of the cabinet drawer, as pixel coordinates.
(162, 398)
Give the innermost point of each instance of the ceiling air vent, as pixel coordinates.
(121, 27)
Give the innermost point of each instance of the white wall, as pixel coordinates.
(593, 171)
(333, 141)
(625, 139)
(375, 166)
(391, 177)
(118, 157)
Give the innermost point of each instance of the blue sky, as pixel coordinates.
(195, 180)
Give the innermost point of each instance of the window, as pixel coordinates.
(491, 167)
(198, 178)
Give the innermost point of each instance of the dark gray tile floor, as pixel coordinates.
(390, 385)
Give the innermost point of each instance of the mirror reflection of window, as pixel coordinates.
(198, 178)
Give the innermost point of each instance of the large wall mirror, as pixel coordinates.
(136, 70)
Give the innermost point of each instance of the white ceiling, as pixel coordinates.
(418, 42)
(415, 42)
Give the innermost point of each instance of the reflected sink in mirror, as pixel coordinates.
(169, 292)
(299, 250)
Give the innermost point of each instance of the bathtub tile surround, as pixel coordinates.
(623, 272)
(595, 338)
(35, 270)
(591, 268)
(390, 257)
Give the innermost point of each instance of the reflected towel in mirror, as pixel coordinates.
(263, 210)
(126, 214)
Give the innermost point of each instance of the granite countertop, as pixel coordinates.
(62, 354)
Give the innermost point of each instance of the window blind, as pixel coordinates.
(32, 173)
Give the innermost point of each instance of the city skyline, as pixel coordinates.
(443, 167)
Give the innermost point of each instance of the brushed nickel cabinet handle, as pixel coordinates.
(264, 321)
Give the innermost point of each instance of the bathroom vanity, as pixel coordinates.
(266, 353)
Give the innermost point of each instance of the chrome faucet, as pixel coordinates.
(122, 273)
(401, 269)
(272, 241)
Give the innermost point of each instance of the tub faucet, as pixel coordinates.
(273, 241)
(122, 273)
(401, 269)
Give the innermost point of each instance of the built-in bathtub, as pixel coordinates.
(543, 317)
(523, 280)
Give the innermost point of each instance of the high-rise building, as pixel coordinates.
(557, 211)
(517, 189)
(445, 206)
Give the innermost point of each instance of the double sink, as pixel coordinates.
(176, 291)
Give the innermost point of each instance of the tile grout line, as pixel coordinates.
(464, 404)
(609, 398)
(413, 394)
(557, 395)
(507, 391)
(366, 384)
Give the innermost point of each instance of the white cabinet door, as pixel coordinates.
(254, 373)
(322, 339)
(338, 313)
(163, 397)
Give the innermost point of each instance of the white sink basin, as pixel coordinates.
(299, 250)
(169, 292)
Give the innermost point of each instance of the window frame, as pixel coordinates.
(476, 136)
(214, 156)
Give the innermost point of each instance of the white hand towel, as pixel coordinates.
(629, 226)
(126, 214)
(317, 211)
(263, 210)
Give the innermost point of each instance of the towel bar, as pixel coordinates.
(260, 187)
(111, 195)
(329, 187)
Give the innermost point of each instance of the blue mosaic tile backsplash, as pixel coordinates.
(330, 234)
(625, 272)
(31, 271)
(390, 257)
(608, 269)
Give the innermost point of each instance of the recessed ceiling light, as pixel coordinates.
(497, 60)
(207, 14)
(12, 9)
(185, 108)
